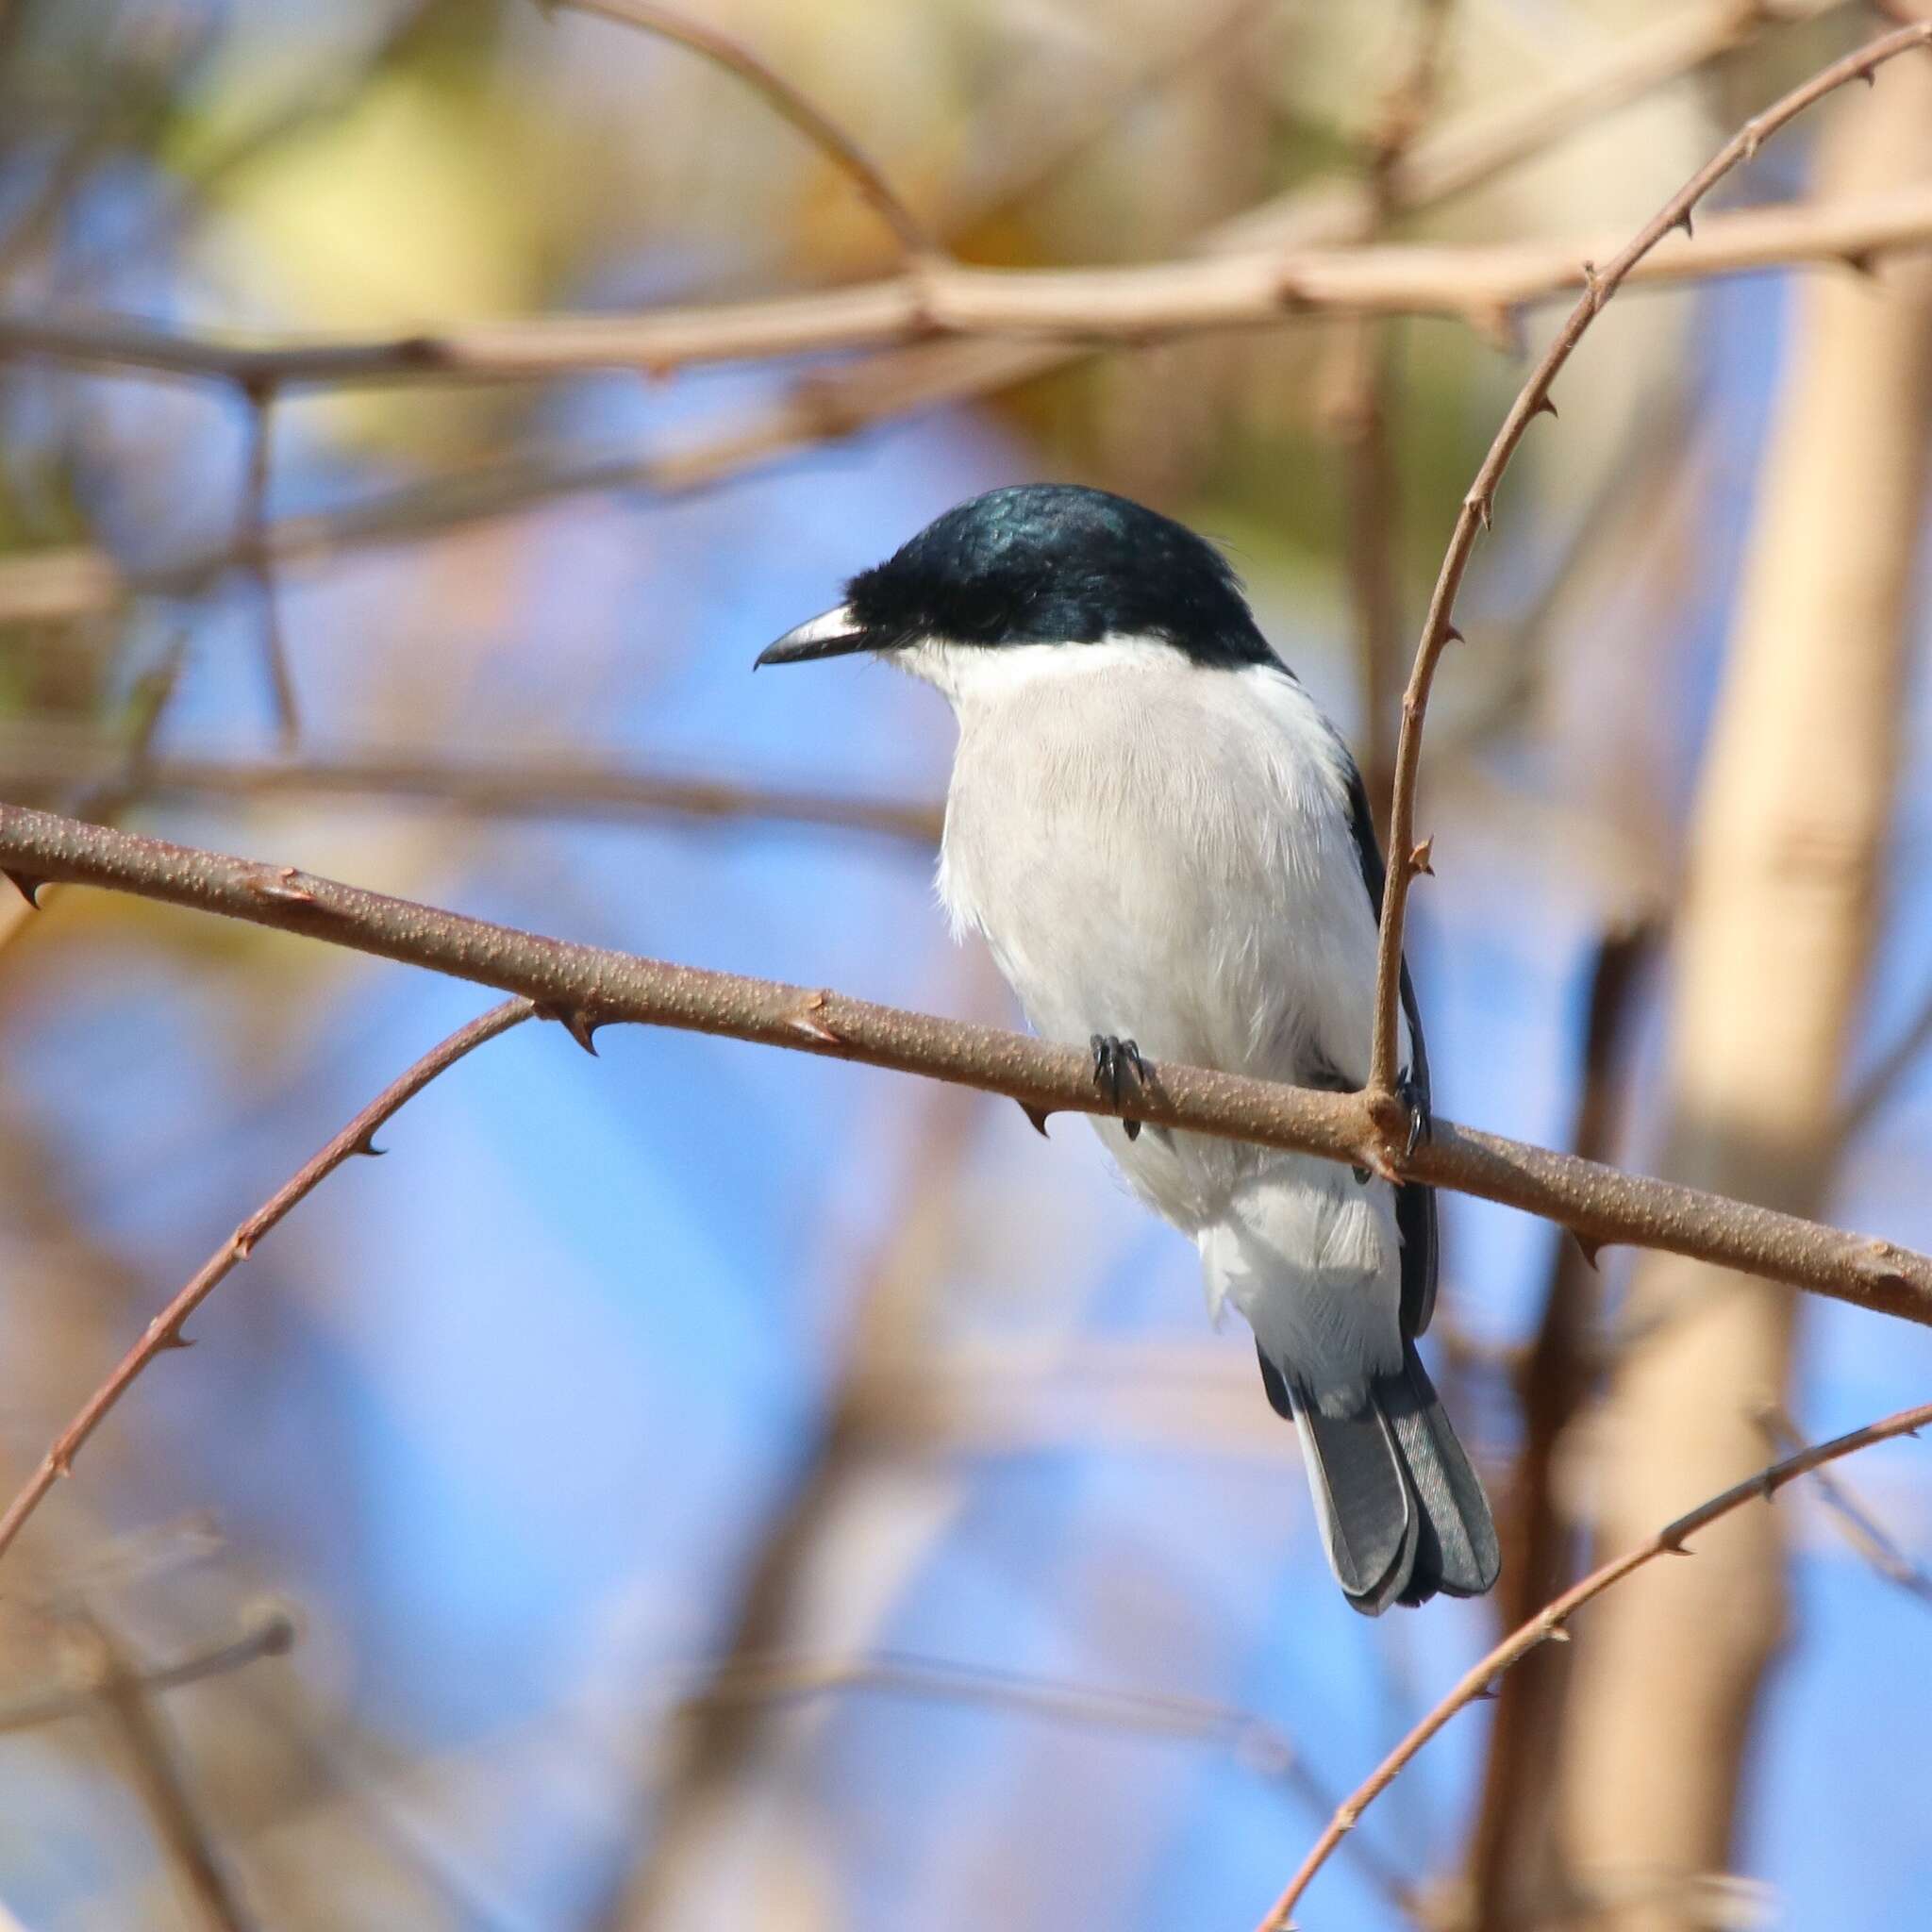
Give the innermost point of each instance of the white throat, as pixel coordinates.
(976, 676)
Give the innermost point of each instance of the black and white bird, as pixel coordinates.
(1168, 848)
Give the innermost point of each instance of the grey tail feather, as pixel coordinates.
(1403, 1515)
(1371, 1527)
(1458, 1553)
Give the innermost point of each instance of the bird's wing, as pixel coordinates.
(1415, 1205)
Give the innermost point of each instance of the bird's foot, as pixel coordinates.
(1416, 1102)
(1113, 1059)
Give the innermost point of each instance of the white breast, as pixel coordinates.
(1163, 852)
(1159, 851)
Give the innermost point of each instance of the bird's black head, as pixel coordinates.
(1043, 563)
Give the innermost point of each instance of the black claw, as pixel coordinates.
(1412, 1097)
(1112, 1058)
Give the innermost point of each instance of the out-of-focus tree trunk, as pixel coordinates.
(1773, 941)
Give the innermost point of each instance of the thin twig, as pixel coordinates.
(1883, 1078)
(1406, 859)
(117, 1693)
(817, 126)
(1252, 1741)
(591, 986)
(1076, 308)
(129, 760)
(1549, 1625)
(251, 542)
(1077, 126)
(1509, 1840)
(1462, 154)
(38, 761)
(1861, 1530)
(1365, 362)
(270, 1633)
(164, 1331)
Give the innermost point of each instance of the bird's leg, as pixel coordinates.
(1112, 1058)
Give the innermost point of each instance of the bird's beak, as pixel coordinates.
(835, 634)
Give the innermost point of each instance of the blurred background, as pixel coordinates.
(703, 1485)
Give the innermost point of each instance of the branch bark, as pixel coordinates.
(1072, 308)
(1778, 921)
(1550, 1625)
(164, 1331)
(1406, 859)
(1463, 153)
(593, 986)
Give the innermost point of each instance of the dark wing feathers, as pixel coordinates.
(1415, 1205)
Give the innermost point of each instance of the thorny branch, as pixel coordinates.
(1406, 859)
(1861, 1530)
(594, 986)
(1550, 1625)
(164, 1331)
(1462, 154)
(1072, 307)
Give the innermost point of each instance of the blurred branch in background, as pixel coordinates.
(1512, 1875)
(524, 785)
(695, 1801)
(1360, 380)
(818, 127)
(1259, 1746)
(1772, 941)
(250, 543)
(1463, 153)
(269, 1632)
(587, 987)
(118, 1691)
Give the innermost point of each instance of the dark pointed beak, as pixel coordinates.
(835, 633)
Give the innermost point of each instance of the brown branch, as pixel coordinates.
(1405, 860)
(164, 1331)
(117, 1693)
(1549, 1625)
(1065, 308)
(1462, 154)
(251, 521)
(1862, 1528)
(1078, 125)
(594, 986)
(1356, 415)
(1483, 142)
(817, 126)
(38, 762)
(270, 1633)
(1252, 1741)
(1509, 1844)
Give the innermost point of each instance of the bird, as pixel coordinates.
(1168, 849)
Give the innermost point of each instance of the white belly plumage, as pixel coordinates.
(1163, 852)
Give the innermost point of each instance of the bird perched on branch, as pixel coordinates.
(1168, 848)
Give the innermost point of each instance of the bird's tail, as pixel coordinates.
(1402, 1513)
